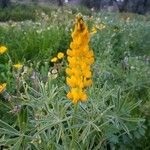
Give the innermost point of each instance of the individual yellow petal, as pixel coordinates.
(75, 95)
(87, 73)
(69, 95)
(90, 54)
(69, 52)
(88, 82)
(68, 71)
(71, 81)
(80, 84)
(83, 96)
(90, 60)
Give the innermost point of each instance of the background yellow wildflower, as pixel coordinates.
(60, 55)
(54, 59)
(3, 49)
(18, 66)
(2, 87)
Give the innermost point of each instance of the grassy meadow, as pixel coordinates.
(35, 113)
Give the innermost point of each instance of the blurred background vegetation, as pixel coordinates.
(119, 100)
(135, 6)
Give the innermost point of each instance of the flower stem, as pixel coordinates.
(74, 133)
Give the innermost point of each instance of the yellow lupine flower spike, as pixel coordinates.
(80, 57)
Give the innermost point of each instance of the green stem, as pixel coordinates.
(9, 57)
(74, 133)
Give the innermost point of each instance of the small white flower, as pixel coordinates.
(132, 67)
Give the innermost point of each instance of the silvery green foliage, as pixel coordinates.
(46, 119)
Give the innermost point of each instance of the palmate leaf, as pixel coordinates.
(11, 141)
(85, 133)
(17, 145)
(49, 125)
(23, 118)
(6, 128)
(7, 142)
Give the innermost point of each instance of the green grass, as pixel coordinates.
(17, 13)
(116, 115)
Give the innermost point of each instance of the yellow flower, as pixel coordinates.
(18, 66)
(87, 82)
(77, 93)
(54, 59)
(80, 57)
(60, 55)
(2, 87)
(94, 30)
(3, 49)
(100, 26)
(72, 82)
